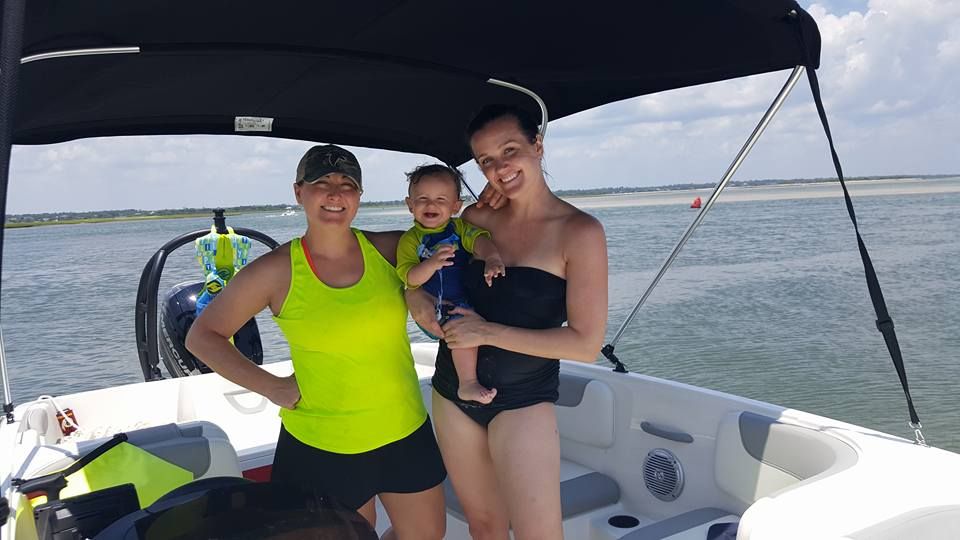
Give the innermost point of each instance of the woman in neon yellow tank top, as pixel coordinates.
(353, 422)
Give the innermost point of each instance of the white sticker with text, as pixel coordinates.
(252, 123)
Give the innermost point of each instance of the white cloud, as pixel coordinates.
(161, 157)
(888, 74)
(253, 165)
(882, 106)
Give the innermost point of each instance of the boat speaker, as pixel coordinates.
(663, 474)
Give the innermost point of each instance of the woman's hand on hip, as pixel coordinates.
(469, 330)
(286, 392)
(423, 309)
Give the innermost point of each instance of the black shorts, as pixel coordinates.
(410, 465)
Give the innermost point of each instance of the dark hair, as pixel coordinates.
(489, 113)
(417, 174)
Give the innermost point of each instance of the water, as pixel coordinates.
(767, 300)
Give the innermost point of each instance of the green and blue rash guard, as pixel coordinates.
(418, 244)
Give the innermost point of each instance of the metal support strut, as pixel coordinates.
(608, 350)
(7, 395)
(543, 106)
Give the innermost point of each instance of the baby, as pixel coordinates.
(434, 254)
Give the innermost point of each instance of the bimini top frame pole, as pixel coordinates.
(79, 52)
(7, 395)
(544, 118)
(10, 48)
(608, 350)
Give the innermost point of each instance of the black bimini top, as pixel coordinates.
(399, 75)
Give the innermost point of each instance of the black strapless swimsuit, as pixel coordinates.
(525, 298)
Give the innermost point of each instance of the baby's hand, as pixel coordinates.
(492, 268)
(443, 256)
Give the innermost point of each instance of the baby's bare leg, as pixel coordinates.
(465, 362)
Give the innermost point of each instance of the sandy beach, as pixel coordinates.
(857, 188)
(819, 190)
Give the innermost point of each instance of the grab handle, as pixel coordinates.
(668, 433)
(231, 398)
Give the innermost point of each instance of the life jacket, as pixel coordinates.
(221, 256)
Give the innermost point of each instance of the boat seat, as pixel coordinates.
(199, 447)
(582, 490)
(692, 525)
(759, 456)
(41, 418)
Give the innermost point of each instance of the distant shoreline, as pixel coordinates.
(584, 198)
(202, 213)
(81, 221)
(779, 192)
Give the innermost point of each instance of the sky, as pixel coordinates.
(889, 75)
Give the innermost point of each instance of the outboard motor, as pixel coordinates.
(164, 339)
(177, 313)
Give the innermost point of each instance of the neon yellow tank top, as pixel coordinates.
(351, 354)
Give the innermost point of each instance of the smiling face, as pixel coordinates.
(434, 200)
(506, 156)
(330, 200)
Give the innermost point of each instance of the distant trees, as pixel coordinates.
(130, 213)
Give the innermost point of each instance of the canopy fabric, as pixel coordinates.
(399, 75)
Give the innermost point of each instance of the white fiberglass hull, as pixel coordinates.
(782, 473)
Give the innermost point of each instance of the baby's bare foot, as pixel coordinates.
(474, 391)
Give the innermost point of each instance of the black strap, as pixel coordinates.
(617, 364)
(884, 322)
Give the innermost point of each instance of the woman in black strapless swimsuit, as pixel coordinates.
(504, 458)
(525, 298)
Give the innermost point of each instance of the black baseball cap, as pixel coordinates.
(322, 160)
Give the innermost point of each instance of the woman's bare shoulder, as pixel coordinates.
(574, 219)
(580, 227)
(270, 263)
(270, 274)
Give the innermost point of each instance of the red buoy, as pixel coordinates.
(695, 203)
